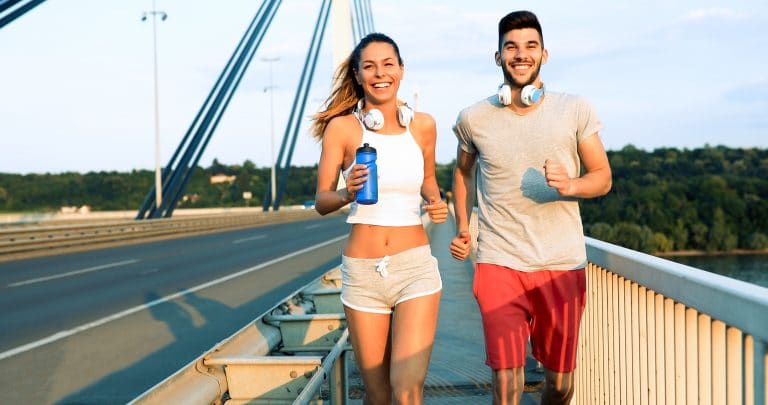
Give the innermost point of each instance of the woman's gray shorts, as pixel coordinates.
(377, 285)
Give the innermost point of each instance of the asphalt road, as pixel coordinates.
(102, 326)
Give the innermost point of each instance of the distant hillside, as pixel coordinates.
(215, 186)
(711, 198)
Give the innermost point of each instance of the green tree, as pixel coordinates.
(662, 243)
(4, 198)
(757, 240)
(699, 233)
(679, 235)
(635, 237)
(602, 231)
(720, 236)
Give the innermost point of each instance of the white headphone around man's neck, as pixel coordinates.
(374, 118)
(529, 95)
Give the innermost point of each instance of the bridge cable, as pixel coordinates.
(5, 5)
(370, 16)
(302, 93)
(364, 17)
(18, 12)
(169, 173)
(361, 18)
(235, 80)
(188, 140)
(359, 13)
(175, 179)
(357, 26)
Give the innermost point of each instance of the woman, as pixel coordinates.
(390, 281)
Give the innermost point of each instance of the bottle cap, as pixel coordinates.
(366, 149)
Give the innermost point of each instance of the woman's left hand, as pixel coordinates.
(437, 210)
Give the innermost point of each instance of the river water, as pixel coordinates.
(749, 268)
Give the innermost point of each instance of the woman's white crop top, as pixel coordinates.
(400, 166)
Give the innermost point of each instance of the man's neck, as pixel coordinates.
(519, 108)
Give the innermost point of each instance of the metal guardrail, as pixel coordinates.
(261, 363)
(332, 370)
(37, 240)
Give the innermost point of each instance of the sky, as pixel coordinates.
(77, 90)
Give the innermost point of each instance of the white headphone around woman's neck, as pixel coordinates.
(374, 118)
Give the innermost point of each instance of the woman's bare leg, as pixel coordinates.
(413, 333)
(369, 334)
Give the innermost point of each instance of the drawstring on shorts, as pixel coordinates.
(381, 266)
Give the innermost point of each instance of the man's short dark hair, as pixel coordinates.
(518, 20)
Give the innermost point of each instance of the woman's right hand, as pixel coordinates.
(355, 179)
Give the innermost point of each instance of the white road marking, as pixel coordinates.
(67, 333)
(73, 273)
(257, 237)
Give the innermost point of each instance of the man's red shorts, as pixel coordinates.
(544, 305)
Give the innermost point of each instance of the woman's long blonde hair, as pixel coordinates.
(347, 91)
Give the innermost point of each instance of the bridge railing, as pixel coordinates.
(293, 353)
(659, 332)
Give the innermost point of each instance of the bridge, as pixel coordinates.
(133, 323)
(189, 320)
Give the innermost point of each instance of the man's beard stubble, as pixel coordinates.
(508, 78)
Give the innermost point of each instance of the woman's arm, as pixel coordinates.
(334, 145)
(426, 134)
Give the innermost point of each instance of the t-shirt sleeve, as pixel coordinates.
(589, 122)
(463, 134)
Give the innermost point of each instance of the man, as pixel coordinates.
(529, 276)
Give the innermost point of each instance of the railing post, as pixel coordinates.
(748, 369)
(705, 359)
(735, 364)
(761, 374)
(339, 387)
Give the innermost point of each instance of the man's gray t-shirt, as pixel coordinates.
(523, 223)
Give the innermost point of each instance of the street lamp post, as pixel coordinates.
(271, 88)
(154, 13)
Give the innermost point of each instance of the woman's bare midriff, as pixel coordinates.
(373, 241)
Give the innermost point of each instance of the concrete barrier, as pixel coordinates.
(31, 241)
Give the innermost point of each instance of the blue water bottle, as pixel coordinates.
(369, 194)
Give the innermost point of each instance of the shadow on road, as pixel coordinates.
(197, 324)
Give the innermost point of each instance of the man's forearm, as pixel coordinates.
(593, 184)
(463, 193)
